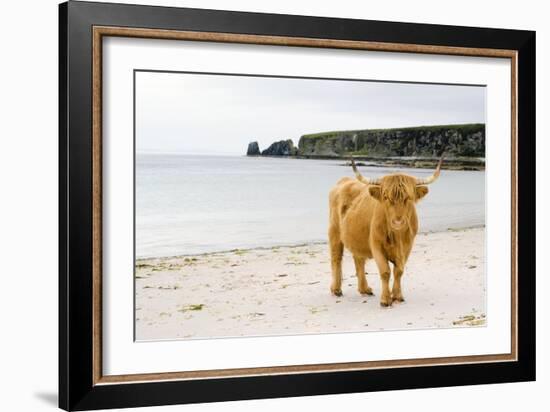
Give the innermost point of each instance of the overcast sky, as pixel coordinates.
(220, 114)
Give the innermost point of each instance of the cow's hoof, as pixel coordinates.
(399, 299)
(385, 304)
(367, 291)
(337, 293)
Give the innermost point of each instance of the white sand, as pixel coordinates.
(285, 290)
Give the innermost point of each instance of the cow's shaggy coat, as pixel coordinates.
(375, 219)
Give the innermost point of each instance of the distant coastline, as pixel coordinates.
(464, 163)
(416, 147)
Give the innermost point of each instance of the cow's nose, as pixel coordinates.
(398, 221)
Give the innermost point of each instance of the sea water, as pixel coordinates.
(192, 204)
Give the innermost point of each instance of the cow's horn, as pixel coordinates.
(360, 177)
(433, 177)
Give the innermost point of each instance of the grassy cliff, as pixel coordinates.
(458, 141)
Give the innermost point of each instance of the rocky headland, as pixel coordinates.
(463, 145)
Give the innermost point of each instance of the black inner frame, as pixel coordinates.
(76, 388)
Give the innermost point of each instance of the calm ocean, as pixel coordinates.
(190, 204)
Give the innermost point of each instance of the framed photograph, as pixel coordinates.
(256, 205)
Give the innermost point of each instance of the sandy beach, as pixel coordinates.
(285, 291)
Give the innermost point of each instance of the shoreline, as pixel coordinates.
(284, 290)
(290, 245)
(459, 164)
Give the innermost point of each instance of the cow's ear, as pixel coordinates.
(375, 192)
(421, 191)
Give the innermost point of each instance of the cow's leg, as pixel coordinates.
(396, 293)
(362, 284)
(336, 253)
(384, 270)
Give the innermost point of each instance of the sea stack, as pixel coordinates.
(281, 148)
(253, 149)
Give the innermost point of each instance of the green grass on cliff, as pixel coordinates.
(332, 134)
(462, 128)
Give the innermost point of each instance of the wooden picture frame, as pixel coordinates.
(82, 384)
